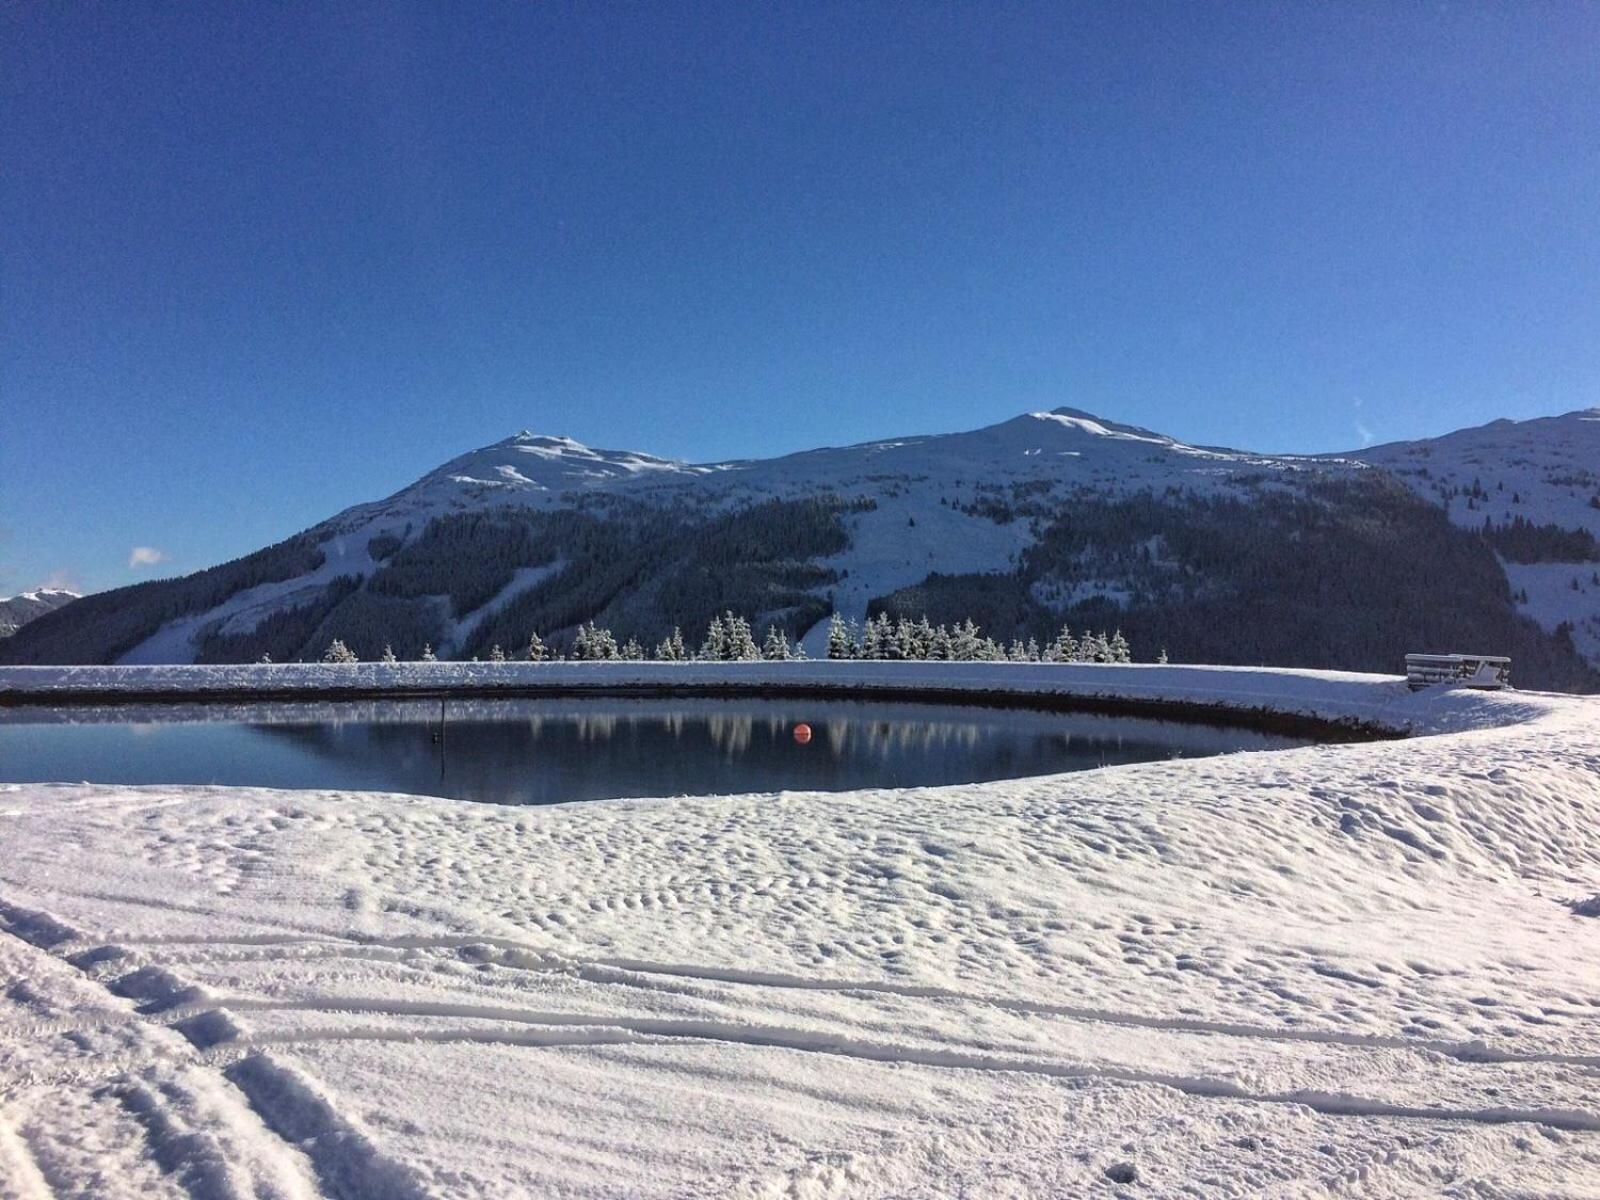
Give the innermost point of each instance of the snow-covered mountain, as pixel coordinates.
(16, 611)
(1048, 517)
(1545, 472)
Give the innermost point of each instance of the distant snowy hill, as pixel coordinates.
(1051, 517)
(17, 611)
(1545, 473)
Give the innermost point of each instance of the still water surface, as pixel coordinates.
(546, 751)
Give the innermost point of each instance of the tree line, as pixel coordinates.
(730, 638)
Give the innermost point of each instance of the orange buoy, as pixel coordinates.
(802, 733)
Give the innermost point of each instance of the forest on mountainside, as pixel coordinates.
(1345, 573)
(1336, 571)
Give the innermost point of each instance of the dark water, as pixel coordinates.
(545, 751)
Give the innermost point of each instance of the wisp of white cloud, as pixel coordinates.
(146, 556)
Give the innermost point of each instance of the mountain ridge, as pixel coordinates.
(540, 530)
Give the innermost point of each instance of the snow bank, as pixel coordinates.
(1377, 701)
(1341, 968)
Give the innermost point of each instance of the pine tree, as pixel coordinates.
(1162, 657)
(388, 654)
(1018, 652)
(839, 646)
(265, 658)
(871, 645)
(965, 645)
(903, 645)
(537, 650)
(496, 654)
(1066, 646)
(741, 644)
(715, 647)
(1120, 651)
(776, 646)
(338, 652)
(1033, 650)
(672, 648)
(940, 650)
(594, 644)
(427, 653)
(632, 650)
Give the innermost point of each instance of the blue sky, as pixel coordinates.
(261, 262)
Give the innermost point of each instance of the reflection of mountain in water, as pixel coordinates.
(538, 752)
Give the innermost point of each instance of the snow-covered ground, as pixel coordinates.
(1344, 969)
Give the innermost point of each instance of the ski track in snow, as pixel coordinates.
(1336, 970)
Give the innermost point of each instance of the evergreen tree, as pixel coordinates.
(740, 644)
(965, 645)
(903, 645)
(593, 644)
(338, 652)
(839, 645)
(854, 638)
(672, 648)
(537, 650)
(715, 647)
(632, 650)
(776, 646)
(1162, 657)
(496, 654)
(265, 658)
(1033, 649)
(871, 645)
(1120, 652)
(427, 653)
(940, 649)
(388, 654)
(1018, 651)
(1066, 646)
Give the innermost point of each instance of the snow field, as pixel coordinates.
(1341, 969)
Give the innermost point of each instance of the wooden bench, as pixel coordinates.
(1466, 670)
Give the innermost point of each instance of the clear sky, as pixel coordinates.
(261, 262)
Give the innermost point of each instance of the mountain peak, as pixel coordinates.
(527, 437)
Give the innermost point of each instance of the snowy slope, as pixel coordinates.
(919, 505)
(1545, 470)
(915, 484)
(16, 611)
(527, 469)
(1337, 970)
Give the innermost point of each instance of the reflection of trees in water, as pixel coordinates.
(734, 733)
(522, 752)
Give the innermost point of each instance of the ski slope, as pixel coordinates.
(1340, 969)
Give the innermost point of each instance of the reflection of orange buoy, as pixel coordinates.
(802, 733)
